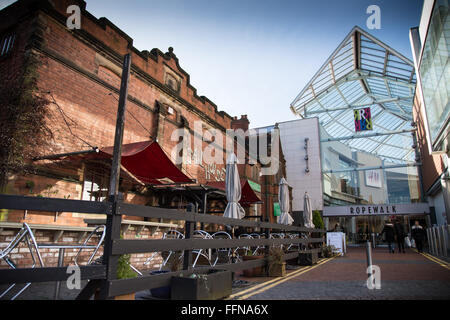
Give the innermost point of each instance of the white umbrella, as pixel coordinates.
(307, 212)
(233, 188)
(283, 199)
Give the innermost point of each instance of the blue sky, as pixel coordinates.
(253, 57)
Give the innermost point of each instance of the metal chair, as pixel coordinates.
(171, 234)
(222, 253)
(277, 236)
(201, 252)
(100, 232)
(241, 251)
(25, 234)
(257, 248)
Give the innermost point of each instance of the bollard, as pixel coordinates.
(369, 254)
(374, 243)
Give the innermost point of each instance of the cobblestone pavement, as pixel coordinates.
(403, 276)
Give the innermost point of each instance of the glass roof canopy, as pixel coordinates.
(364, 72)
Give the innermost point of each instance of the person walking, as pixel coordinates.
(418, 234)
(400, 235)
(389, 231)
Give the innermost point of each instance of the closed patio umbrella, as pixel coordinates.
(233, 189)
(307, 212)
(283, 199)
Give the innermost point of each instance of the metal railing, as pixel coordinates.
(103, 277)
(439, 240)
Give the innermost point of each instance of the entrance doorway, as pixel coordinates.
(359, 229)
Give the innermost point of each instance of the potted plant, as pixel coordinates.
(175, 264)
(254, 272)
(276, 267)
(210, 284)
(318, 224)
(327, 251)
(308, 258)
(124, 271)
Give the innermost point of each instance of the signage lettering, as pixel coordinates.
(380, 209)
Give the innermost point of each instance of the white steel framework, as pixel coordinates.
(364, 72)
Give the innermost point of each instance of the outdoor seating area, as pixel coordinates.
(200, 247)
(192, 250)
(86, 249)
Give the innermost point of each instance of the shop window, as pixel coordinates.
(6, 44)
(94, 189)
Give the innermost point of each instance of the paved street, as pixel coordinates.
(403, 276)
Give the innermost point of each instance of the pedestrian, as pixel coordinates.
(388, 230)
(400, 234)
(418, 234)
(337, 227)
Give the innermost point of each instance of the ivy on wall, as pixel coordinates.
(24, 130)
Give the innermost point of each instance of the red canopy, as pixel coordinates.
(248, 195)
(147, 162)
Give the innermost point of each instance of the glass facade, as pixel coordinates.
(435, 71)
(353, 176)
(360, 229)
(363, 98)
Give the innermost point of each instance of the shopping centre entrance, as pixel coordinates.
(362, 223)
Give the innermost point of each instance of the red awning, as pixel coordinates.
(248, 195)
(146, 161)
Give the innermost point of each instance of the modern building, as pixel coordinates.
(430, 49)
(354, 149)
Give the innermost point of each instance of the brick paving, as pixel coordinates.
(403, 276)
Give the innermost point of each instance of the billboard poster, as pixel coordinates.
(363, 119)
(373, 178)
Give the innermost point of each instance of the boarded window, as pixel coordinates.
(172, 82)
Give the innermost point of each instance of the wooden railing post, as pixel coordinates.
(188, 232)
(114, 220)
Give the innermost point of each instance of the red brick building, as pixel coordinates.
(79, 72)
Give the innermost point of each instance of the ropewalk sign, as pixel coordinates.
(377, 209)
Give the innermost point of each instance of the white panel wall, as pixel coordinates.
(427, 11)
(439, 207)
(293, 134)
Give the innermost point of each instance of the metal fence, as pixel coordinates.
(439, 240)
(103, 277)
